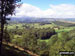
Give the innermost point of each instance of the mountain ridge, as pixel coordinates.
(32, 19)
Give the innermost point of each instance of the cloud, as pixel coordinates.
(55, 11)
(64, 10)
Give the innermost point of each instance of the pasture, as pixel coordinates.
(37, 25)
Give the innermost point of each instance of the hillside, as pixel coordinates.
(12, 50)
(64, 23)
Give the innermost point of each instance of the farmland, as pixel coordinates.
(55, 25)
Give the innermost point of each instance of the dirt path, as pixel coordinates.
(20, 48)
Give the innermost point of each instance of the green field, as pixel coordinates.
(37, 25)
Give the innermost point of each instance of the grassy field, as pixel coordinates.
(65, 29)
(13, 26)
(37, 25)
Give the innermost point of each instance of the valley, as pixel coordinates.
(42, 36)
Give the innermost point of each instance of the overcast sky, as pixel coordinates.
(46, 9)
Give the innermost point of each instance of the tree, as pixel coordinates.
(6, 8)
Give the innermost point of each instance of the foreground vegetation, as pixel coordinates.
(8, 50)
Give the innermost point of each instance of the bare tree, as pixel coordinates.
(6, 8)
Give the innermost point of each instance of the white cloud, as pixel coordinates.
(64, 10)
(55, 11)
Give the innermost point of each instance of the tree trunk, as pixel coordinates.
(1, 37)
(2, 25)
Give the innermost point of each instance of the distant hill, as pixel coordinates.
(70, 19)
(64, 23)
(32, 19)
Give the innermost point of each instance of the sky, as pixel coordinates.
(46, 9)
(44, 4)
